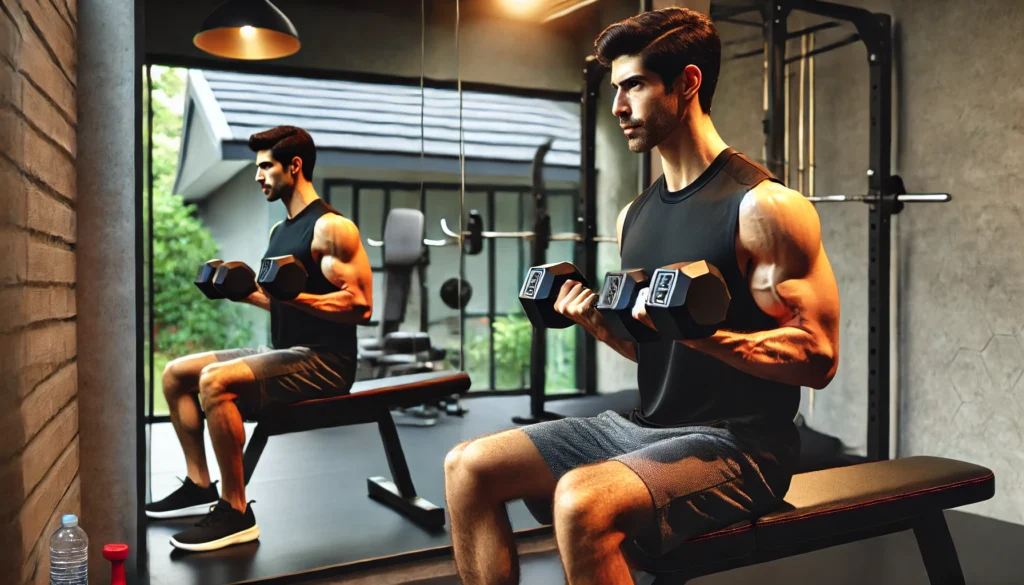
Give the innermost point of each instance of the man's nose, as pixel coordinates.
(620, 107)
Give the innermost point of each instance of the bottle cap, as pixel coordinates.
(69, 520)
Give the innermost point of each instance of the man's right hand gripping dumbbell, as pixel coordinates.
(556, 296)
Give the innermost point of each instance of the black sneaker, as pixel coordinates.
(188, 500)
(223, 526)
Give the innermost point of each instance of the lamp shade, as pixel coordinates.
(248, 29)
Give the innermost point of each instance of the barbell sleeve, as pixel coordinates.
(426, 242)
(905, 198)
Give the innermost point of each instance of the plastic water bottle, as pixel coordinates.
(69, 554)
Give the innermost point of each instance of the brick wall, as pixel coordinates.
(38, 386)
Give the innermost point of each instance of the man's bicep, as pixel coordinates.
(343, 260)
(811, 300)
(792, 279)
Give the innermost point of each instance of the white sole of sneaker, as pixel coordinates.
(247, 535)
(199, 510)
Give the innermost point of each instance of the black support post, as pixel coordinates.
(586, 220)
(880, 183)
(775, 14)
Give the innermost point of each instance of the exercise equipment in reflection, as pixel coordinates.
(394, 352)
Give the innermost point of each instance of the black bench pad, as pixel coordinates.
(848, 499)
(822, 504)
(364, 401)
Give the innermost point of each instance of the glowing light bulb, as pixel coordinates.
(521, 8)
(248, 32)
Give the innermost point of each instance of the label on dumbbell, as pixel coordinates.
(265, 268)
(610, 293)
(532, 284)
(661, 290)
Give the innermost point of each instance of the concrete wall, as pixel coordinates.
(957, 118)
(617, 173)
(39, 446)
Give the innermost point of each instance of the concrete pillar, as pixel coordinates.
(618, 170)
(108, 79)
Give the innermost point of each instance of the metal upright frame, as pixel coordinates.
(875, 31)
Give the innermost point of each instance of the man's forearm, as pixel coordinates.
(338, 307)
(258, 299)
(787, 355)
(601, 332)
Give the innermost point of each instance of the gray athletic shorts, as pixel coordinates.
(291, 375)
(701, 478)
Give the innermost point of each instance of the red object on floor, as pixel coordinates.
(116, 554)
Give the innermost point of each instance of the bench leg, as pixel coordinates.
(251, 456)
(937, 550)
(400, 495)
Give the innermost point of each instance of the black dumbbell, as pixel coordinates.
(615, 303)
(234, 281)
(688, 300)
(540, 291)
(282, 277)
(204, 279)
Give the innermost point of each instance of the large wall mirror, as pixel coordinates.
(432, 121)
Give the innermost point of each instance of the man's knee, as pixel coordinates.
(453, 460)
(182, 374)
(584, 508)
(214, 388)
(471, 463)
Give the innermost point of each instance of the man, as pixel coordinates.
(313, 355)
(713, 442)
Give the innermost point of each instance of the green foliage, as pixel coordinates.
(513, 336)
(184, 320)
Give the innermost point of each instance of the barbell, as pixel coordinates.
(476, 234)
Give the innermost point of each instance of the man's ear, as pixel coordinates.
(689, 81)
(296, 166)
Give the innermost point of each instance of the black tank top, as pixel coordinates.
(679, 385)
(291, 326)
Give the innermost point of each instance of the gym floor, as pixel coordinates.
(313, 512)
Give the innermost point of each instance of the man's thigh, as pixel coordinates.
(700, 481)
(285, 376)
(573, 442)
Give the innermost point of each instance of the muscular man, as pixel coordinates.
(713, 442)
(313, 354)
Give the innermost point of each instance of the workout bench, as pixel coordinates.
(369, 401)
(837, 506)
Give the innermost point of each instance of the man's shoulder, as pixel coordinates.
(772, 214)
(773, 198)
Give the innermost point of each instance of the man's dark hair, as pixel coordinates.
(286, 143)
(667, 40)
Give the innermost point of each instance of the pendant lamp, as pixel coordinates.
(248, 29)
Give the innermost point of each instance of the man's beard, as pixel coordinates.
(652, 131)
(280, 191)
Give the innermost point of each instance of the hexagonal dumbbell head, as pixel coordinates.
(283, 277)
(688, 300)
(540, 291)
(235, 280)
(204, 279)
(618, 296)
